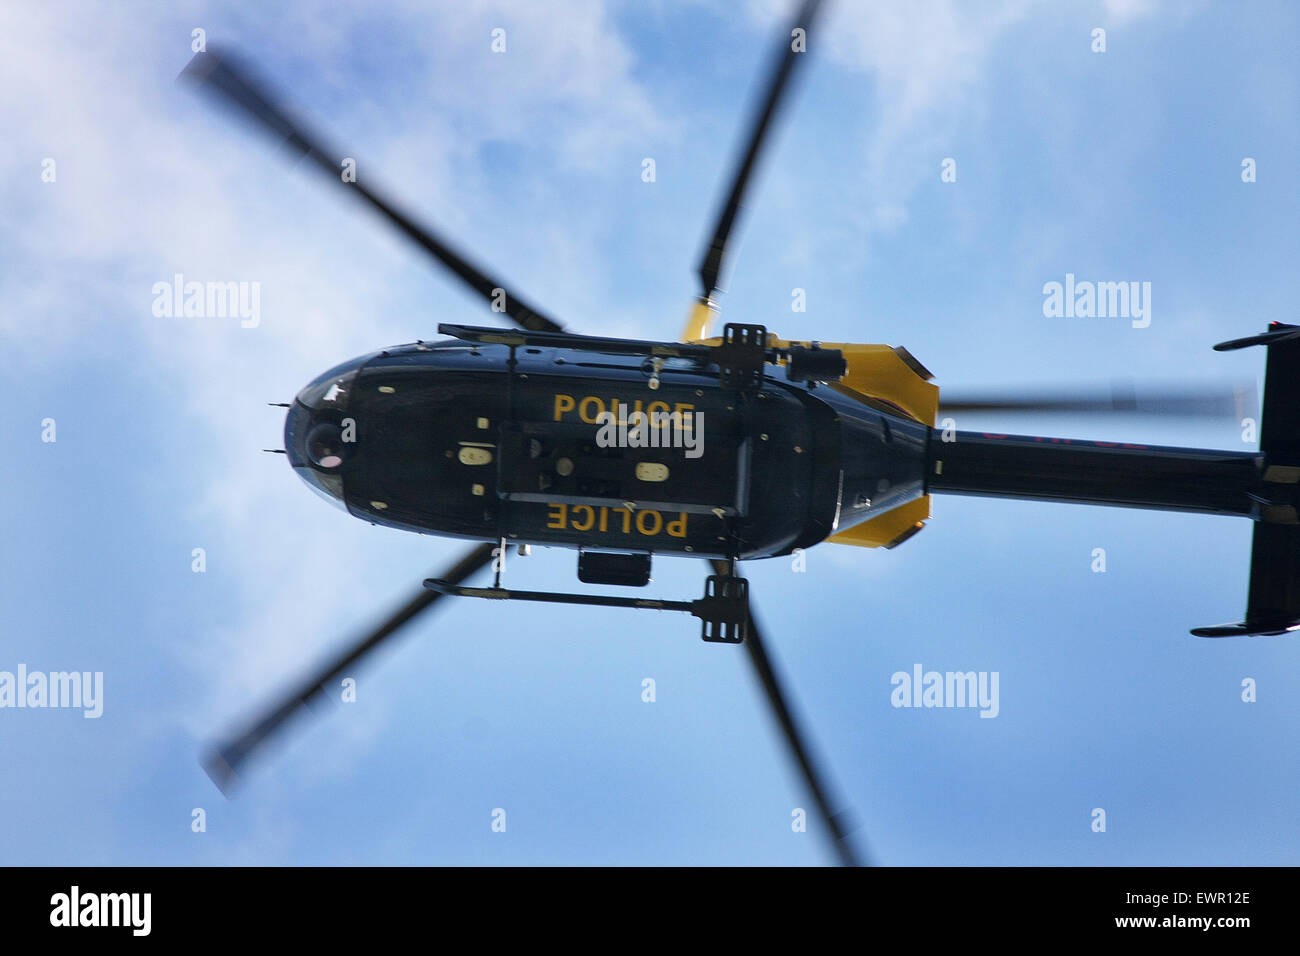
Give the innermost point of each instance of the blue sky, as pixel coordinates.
(1123, 165)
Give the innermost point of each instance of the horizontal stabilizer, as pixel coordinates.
(1274, 603)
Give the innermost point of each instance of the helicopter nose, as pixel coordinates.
(311, 426)
(297, 423)
(314, 439)
(317, 445)
(316, 451)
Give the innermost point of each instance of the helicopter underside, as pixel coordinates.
(493, 443)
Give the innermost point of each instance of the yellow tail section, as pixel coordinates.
(889, 529)
(882, 372)
(892, 375)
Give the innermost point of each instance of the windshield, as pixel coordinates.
(332, 389)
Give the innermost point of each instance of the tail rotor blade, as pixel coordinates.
(223, 76)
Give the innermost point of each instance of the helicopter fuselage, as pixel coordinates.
(489, 442)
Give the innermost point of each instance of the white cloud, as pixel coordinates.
(928, 62)
(1124, 10)
(153, 180)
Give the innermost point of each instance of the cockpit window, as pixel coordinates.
(333, 389)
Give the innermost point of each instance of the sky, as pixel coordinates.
(1122, 165)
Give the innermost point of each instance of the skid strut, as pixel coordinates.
(724, 609)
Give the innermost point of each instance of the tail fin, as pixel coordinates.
(1273, 605)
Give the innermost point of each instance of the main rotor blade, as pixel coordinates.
(1239, 401)
(715, 253)
(224, 761)
(223, 76)
(794, 736)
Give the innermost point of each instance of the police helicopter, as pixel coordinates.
(728, 449)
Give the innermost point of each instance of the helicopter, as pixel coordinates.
(501, 436)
